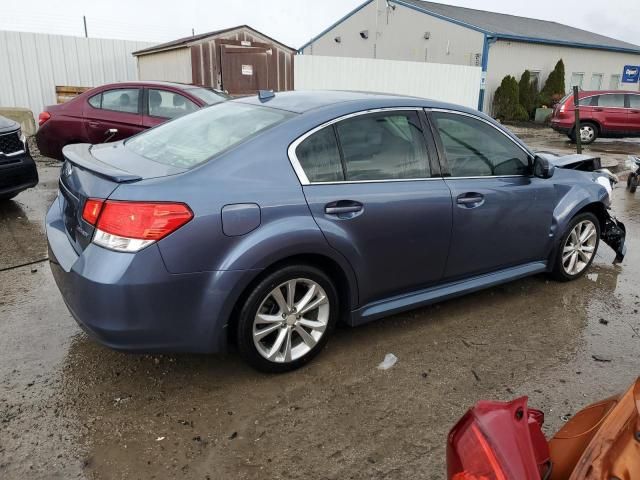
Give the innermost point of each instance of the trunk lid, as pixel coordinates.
(95, 172)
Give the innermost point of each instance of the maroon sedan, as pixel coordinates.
(611, 113)
(117, 111)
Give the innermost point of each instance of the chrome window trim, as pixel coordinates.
(302, 176)
(476, 117)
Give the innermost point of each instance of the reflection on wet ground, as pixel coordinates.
(70, 408)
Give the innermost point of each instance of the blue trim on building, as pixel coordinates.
(488, 40)
(518, 38)
(351, 13)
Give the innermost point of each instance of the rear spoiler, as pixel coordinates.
(80, 155)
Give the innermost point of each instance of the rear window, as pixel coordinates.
(193, 139)
(208, 96)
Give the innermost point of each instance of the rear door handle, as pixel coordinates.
(470, 200)
(342, 207)
(598, 109)
(94, 124)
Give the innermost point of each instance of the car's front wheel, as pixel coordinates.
(578, 247)
(287, 318)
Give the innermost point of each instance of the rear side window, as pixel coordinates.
(320, 158)
(611, 100)
(476, 149)
(383, 146)
(121, 100)
(96, 101)
(166, 104)
(188, 141)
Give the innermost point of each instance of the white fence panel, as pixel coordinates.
(458, 84)
(33, 64)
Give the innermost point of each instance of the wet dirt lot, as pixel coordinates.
(70, 408)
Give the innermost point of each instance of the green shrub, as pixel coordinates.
(521, 114)
(527, 92)
(506, 99)
(554, 88)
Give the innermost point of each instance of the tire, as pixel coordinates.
(565, 269)
(281, 339)
(633, 184)
(589, 133)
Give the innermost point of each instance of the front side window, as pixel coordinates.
(121, 100)
(612, 100)
(476, 149)
(166, 104)
(193, 139)
(383, 146)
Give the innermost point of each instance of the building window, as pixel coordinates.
(535, 77)
(577, 79)
(614, 82)
(596, 81)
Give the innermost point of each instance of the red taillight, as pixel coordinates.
(498, 441)
(471, 456)
(43, 117)
(142, 220)
(91, 211)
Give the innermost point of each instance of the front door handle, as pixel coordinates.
(95, 124)
(598, 109)
(470, 200)
(342, 207)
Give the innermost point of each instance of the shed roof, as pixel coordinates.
(185, 41)
(509, 27)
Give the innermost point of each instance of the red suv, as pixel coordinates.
(610, 113)
(117, 111)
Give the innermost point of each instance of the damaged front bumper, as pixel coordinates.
(613, 233)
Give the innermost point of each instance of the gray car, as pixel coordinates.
(264, 221)
(18, 171)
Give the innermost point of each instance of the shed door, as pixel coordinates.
(244, 70)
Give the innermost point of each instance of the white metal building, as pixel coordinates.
(420, 31)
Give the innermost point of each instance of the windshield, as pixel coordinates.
(208, 96)
(195, 138)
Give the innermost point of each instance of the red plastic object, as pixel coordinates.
(498, 441)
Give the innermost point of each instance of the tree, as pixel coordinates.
(527, 92)
(506, 99)
(554, 88)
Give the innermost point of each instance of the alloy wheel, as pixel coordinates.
(291, 320)
(587, 133)
(579, 247)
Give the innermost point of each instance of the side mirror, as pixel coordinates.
(543, 168)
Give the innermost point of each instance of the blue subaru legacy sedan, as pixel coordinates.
(266, 220)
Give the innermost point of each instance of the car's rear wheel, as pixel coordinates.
(287, 318)
(578, 247)
(588, 133)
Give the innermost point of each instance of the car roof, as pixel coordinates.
(585, 93)
(301, 101)
(152, 83)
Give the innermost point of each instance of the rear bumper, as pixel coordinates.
(561, 127)
(18, 176)
(131, 302)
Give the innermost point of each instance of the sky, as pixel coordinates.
(292, 22)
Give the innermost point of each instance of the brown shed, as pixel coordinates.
(240, 60)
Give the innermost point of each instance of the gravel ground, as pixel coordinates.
(70, 408)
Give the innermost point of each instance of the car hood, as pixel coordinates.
(573, 161)
(8, 125)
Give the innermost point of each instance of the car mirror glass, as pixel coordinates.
(542, 168)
